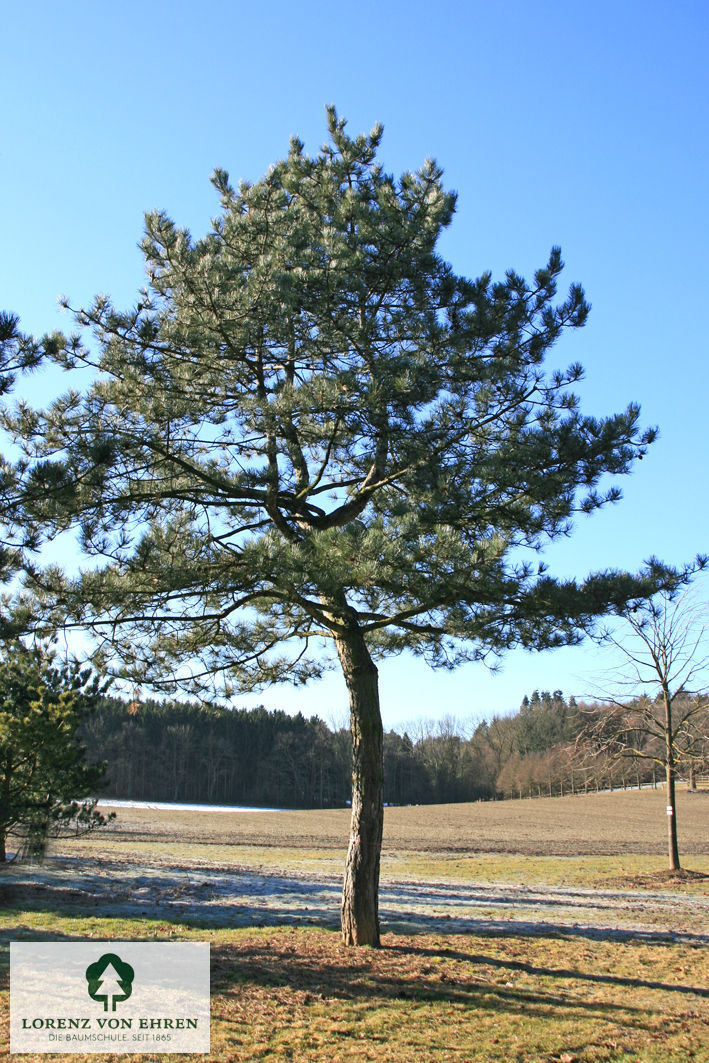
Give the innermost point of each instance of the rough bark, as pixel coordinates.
(360, 892)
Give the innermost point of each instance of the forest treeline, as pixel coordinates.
(181, 751)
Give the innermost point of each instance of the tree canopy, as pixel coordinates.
(18, 353)
(307, 414)
(310, 430)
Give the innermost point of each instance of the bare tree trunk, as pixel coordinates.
(672, 847)
(360, 892)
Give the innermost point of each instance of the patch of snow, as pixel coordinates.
(115, 802)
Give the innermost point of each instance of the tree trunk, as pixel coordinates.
(672, 847)
(360, 892)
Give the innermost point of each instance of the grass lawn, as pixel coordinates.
(297, 994)
(536, 995)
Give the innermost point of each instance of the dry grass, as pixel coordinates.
(584, 840)
(468, 998)
(594, 824)
(293, 994)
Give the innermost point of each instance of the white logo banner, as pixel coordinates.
(109, 996)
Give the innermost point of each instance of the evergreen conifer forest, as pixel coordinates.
(186, 752)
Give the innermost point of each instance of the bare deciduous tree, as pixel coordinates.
(659, 709)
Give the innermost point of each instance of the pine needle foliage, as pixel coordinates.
(308, 419)
(45, 781)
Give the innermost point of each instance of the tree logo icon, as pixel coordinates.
(110, 980)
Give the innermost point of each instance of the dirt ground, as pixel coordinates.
(594, 824)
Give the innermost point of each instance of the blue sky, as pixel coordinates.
(579, 125)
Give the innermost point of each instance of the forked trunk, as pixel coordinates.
(360, 892)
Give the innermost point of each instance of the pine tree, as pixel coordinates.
(45, 782)
(19, 352)
(310, 432)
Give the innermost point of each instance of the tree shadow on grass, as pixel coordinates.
(302, 973)
(302, 967)
(490, 926)
(314, 906)
(519, 966)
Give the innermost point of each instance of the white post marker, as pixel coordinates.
(670, 810)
